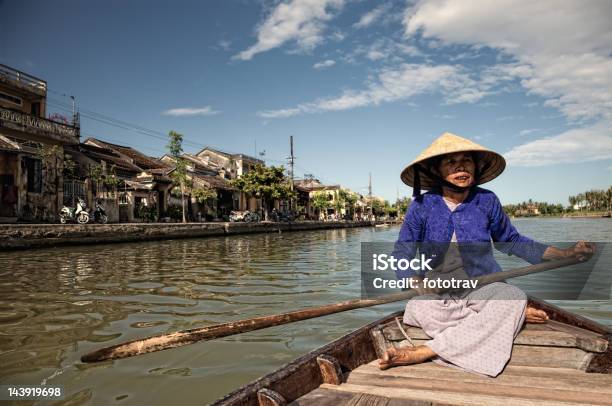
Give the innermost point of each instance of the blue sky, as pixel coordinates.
(363, 86)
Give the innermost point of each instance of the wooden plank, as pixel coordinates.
(558, 314)
(302, 374)
(366, 399)
(553, 333)
(380, 343)
(490, 388)
(327, 397)
(331, 372)
(267, 397)
(454, 398)
(550, 357)
(542, 379)
(510, 370)
(323, 397)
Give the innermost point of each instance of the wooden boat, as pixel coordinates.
(567, 361)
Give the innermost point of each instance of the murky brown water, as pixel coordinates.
(56, 304)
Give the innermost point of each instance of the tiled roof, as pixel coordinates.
(215, 182)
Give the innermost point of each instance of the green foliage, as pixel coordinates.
(111, 180)
(265, 182)
(48, 154)
(203, 194)
(339, 200)
(592, 200)
(320, 201)
(378, 207)
(179, 174)
(175, 212)
(403, 204)
(147, 213)
(175, 149)
(70, 169)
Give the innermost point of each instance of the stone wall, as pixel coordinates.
(23, 236)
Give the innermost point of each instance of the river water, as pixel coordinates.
(56, 304)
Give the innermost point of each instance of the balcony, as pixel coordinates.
(22, 80)
(41, 127)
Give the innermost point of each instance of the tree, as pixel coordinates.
(204, 194)
(179, 174)
(350, 199)
(267, 183)
(403, 205)
(320, 202)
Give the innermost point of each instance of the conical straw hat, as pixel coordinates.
(490, 163)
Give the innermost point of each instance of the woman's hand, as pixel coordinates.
(537, 316)
(582, 250)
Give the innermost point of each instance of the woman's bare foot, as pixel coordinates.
(405, 356)
(533, 315)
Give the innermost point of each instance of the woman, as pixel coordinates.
(476, 329)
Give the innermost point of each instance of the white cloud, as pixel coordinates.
(576, 145)
(562, 47)
(385, 49)
(391, 85)
(224, 44)
(372, 16)
(302, 21)
(191, 111)
(324, 64)
(530, 131)
(561, 51)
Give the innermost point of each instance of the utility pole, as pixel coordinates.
(370, 195)
(291, 166)
(397, 205)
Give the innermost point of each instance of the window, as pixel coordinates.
(35, 109)
(10, 98)
(73, 189)
(34, 172)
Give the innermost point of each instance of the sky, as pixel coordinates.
(363, 86)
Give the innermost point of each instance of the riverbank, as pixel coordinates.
(26, 236)
(598, 215)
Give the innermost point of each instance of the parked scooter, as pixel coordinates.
(78, 214)
(282, 216)
(98, 214)
(245, 216)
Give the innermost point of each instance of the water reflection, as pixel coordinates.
(56, 304)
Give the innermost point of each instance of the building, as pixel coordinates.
(31, 149)
(342, 202)
(232, 166)
(207, 175)
(140, 191)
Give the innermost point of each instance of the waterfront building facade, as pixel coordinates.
(31, 149)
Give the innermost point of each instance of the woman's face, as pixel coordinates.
(458, 169)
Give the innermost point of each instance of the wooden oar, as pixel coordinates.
(184, 337)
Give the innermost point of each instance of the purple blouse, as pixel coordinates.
(480, 219)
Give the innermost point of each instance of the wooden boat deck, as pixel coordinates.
(567, 361)
(548, 367)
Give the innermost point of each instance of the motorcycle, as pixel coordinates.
(98, 214)
(246, 216)
(282, 216)
(79, 213)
